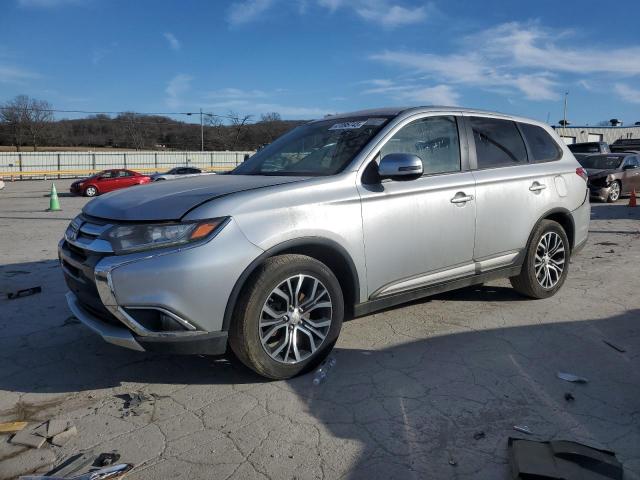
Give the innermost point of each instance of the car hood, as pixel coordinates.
(596, 173)
(172, 200)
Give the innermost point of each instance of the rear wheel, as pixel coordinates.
(546, 263)
(288, 318)
(90, 191)
(614, 192)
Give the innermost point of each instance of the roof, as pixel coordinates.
(393, 111)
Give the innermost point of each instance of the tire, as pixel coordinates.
(248, 332)
(90, 191)
(528, 283)
(614, 192)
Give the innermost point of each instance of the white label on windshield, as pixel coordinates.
(347, 125)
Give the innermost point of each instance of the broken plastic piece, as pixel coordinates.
(478, 435)
(108, 473)
(323, 370)
(570, 377)
(105, 459)
(614, 346)
(569, 397)
(24, 292)
(523, 429)
(561, 460)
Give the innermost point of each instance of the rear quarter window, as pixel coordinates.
(542, 147)
(498, 143)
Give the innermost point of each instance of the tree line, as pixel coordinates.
(29, 122)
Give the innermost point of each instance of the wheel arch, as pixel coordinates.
(322, 249)
(561, 216)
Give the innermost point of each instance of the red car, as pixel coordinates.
(108, 180)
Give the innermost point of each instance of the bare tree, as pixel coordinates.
(271, 125)
(26, 118)
(237, 124)
(133, 129)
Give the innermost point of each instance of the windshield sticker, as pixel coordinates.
(347, 125)
(376, 121)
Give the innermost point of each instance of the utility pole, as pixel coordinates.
(564, 117)
(202, 130)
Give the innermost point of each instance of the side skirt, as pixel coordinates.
(381, 303)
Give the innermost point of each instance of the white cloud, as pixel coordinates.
(174, 43)
(388, 15)
(438, 95)
(12, 74)
(176, 88)
(627, 93)
(247, 11)
(235, 93)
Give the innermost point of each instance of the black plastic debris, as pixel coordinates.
(478, 435)
(562, 459)
(569, 397)
(106, 459)
(133, 401)
(614, 346)
(24, 292)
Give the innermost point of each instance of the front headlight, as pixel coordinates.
(132, 238)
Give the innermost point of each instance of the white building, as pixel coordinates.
(597, 134)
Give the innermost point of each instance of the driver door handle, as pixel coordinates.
(461, 197)
(536, 187)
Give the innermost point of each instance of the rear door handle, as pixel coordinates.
(536, 187)
(461, 197)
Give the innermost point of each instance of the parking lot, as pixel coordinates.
(432, 389)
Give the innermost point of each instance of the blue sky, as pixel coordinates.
(307, 58)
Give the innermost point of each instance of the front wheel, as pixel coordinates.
(288, 317)
(614, 192)
(546, 263)
(91, 191)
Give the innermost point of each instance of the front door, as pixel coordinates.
(421, 231)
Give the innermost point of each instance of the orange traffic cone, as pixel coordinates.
(632, 199)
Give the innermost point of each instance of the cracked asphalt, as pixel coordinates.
(411, 390)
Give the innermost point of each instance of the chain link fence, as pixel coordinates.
(25, 165)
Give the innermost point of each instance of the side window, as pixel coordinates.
(433, 139)
(541, 146)
(498, 143)
(124, 173)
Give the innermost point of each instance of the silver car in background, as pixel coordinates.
(178, 172)
(337, 218)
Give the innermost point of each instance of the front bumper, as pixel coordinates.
(599, 193)
(191, 284)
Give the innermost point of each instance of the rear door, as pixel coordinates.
(419, 232)
(632, 173)
(512, 193)
(108, 181)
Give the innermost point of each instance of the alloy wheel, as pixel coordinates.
(295, 319)
(614, 191)
(550, 259)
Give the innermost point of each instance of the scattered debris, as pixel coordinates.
(24, 292)
(73, 464)
(452, 461)
(108, 473)
(54, 427)
(106, 459)
(133, 401)
(570, 377)
(29, 438)
(63, 437)
(610, 251)
(478, 435)
(523, 429)
(323, 370)
(561, 460)
(569, 397)
(597, 256)
(607, 244)
(614, 346)
(12, 427)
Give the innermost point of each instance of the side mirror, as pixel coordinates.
(400, 166)
(629, 167)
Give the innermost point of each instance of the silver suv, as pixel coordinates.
(338, 218)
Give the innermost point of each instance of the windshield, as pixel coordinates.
(315, 149)
(601, 162)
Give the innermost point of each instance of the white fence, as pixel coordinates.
(22, 165)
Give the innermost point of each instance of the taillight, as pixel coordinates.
(581, 172)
